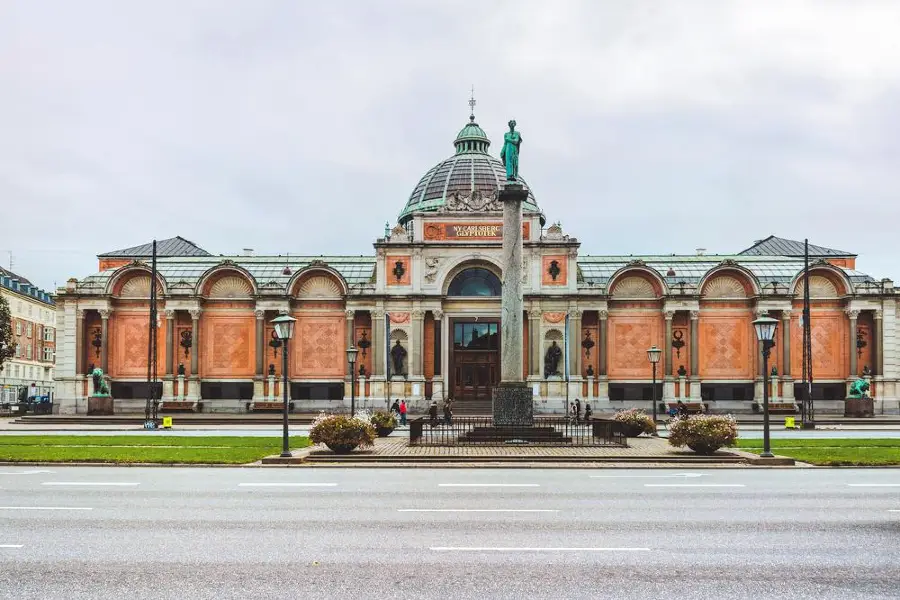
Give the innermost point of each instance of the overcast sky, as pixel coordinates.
(301, 127)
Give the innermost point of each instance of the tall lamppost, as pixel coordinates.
(653, 356)
(351, 360)
(765, 332)
(284, 330)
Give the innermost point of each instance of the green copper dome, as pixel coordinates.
(470, 169)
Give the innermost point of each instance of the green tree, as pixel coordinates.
(7, 343)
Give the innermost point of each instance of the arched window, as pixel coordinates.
(475, 282)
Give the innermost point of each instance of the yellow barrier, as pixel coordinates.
(167, 422)
(789, 423)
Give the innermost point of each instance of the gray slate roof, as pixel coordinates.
(20, 285)
(176, 246)
(776, 246)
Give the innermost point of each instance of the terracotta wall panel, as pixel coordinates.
(129, 344)
(228, 346)
(726, 349)
(318, 349)
(830, 333)
(630, 335)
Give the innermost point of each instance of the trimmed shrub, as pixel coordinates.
(383, 420)
(636, 421)
(342, 433)
(704, 434)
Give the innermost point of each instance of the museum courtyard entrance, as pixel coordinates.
(474, 364)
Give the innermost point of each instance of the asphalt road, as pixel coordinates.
(126, 532)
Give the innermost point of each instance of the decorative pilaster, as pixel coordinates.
(378, 343)
(260, 342)
(604, 316)
(534, 343)
(348, 338)
(787, 387)
(575, 344)
(194, 391)
(760, 369)
(104, 339)
(878, 354)
(668, 380)
(79, 342)
(695, 355)
(854, 368)
(170, 342)
(418, 335)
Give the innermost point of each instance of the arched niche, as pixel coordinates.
(227, 282)
(825, 281)
(318, 284)
(729, 282)
(134, 282)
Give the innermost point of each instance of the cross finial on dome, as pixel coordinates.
(472, 105)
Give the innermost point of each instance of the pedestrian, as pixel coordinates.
(572, 411)
(587, 412)
(402, 409)
(448, 412)
(395, 407)
(432, 414)
(577, 410)
(682, 410)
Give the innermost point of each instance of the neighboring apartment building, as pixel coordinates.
(34, 332)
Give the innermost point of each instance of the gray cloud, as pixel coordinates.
(302, 127)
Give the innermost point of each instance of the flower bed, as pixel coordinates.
(342, 434)
(636, 421)
(704, 434)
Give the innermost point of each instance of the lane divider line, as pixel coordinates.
(548, 549)
(874, 484)
(46, 508)
(696, 485)
(489, 485)
(287, 484)
(10, 545)
(676, 476)
(97, 483)
(478, 510)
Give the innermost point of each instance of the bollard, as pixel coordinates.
(167, 422)
(789, 423)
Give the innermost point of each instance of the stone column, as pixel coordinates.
(259, 391)
(378, 343)
(787, 382)
(437, 382)
(104, 338)
(418, 343)
(170, 342)
(350, 316)
(194, 389)
(574, 352)
(512, 400)
(534, 343)
(760, 369)
(695, 356)
(667, 378)
(79, 344)
(877, 340)
(604, 316)
(854, 368)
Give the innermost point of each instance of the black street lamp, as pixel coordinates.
(351, 360)
(284, 330)
(653, 354)
(765, 333)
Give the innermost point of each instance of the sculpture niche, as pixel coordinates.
(398, 357)
(551, 360)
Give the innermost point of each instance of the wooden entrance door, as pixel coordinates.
(475, 359)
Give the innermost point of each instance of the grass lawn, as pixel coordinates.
(140, 449)
(836, 452)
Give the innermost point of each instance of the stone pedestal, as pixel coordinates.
(181, 396)
(859, 407)
(682, 387)
(590, 385)
(695, 389)
(361, 387)
(259, 393)
(787, 388)
(271, 388)
(100, 405)
(193, 394)
(773, 389)
(668, 389)
(513, 404)
(398, 388)
(168, 389)
(437, 389)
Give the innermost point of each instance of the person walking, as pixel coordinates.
(577, 410)
(448, 412)
(432, 414)
(587, 412)
(395, 408)
(402, 410)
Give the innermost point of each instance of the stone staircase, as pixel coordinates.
(506, 434)
(470, 407)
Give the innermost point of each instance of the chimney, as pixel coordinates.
(701, 251)
(248, 251)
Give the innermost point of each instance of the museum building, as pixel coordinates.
(424, 312)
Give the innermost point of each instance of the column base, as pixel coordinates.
(168, 389)
(787, 388)
(193, 394)
(695, 389)
(513, 404)
(668, 389)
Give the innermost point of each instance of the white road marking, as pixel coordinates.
(874, 484)
(45, 508)
(550, 549)
(696, 485)
(893, 510)
(114, 483)
(478, 510)
(677, 475)
(287, 484)
(32, 472)
(10, 545)
(489, 485)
